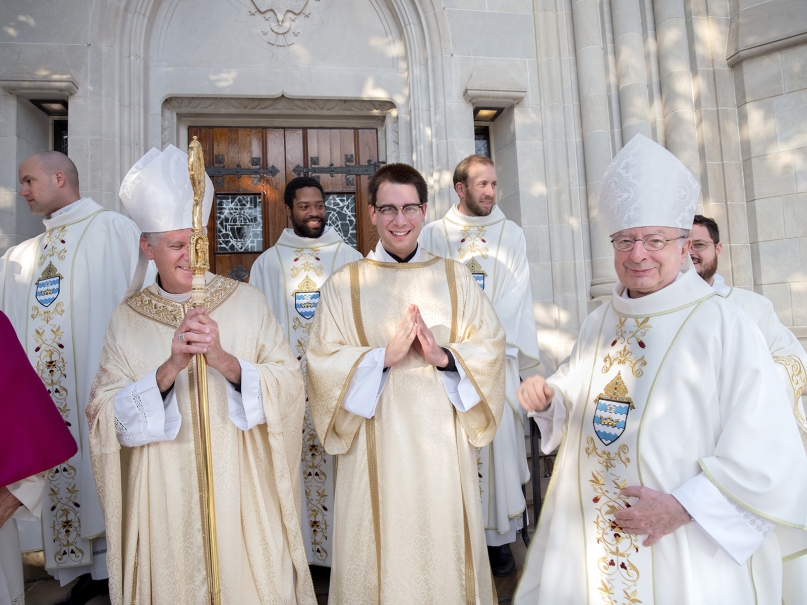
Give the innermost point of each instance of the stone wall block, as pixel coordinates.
(724, 87)
(546, 35)
(770, 175)
(591, 73)
(742, 273)
(794, 68)
(766, 220)
(665, 10)
(676, 88)
(701, 42)
(729, 135)
(759, 78)
(709, 135)
(553, 122)
(630, 59)
(737, 215)
(595, 116)
(672, 42)
(718, 8)
(550, 80)
(798, 301)
(779, 295)
(705, 96)
(712, 185)
(776, 262)
(800, 160)
(563, 280)
(790, 116)
(586, 20)
(541, 281)
(757, 128)
(795, 215)
(680, 134)
(510, 6)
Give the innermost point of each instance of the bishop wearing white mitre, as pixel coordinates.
(291, 274)
(143, 420)
(678, 457)
(476, 233)
(58, 290)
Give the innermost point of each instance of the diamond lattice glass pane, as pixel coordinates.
(239, 223)
(342, 215)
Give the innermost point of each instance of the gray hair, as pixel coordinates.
(153, 237)
(683, 234)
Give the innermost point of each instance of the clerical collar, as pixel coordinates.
(65, 209)
(329, 236)
(398, 259)
(381, 255)
(180, 298)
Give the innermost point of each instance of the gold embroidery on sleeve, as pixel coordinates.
(798, 380)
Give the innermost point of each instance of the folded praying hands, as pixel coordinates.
(413, 332)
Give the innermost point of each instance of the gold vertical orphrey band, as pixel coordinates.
(200, 263)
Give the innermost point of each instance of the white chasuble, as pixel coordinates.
(59, 290)
(151, 494)
(675, 391)
(495, 252)
(290, 274)
(408, 525)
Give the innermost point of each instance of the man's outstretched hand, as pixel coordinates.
(654, 515)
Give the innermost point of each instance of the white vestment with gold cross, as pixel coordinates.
(495, 251)
(291, 274)
(59, 290)
(675, 391)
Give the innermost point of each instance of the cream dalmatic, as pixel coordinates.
(408, 526)
(495, 252)
(290, 274)
(59, 290)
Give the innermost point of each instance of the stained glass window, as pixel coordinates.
(239, 222)
(342, 215)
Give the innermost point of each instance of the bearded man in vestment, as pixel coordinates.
(680, 477)
(476, 233)
(33, 439)
(290, 274)
(405, 379)
(58, 290)
(144, 423)
(784, 347)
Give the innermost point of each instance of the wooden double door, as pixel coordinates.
(248, 213)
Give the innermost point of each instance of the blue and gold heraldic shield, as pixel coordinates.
(48, 286)
(306, 298)
(477, 271)
(611, 410)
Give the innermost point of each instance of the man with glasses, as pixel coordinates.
(477, 233)
(290, 274)
(405, 379)
(678, 457)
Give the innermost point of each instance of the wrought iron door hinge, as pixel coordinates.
(238, 171)
(360, 170)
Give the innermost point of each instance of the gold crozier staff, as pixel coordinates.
(200, 263)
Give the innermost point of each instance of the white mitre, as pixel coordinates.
(158, 195)
(647, 186)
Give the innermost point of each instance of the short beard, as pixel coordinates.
(304, 230)
(475, 208)
(707, 271)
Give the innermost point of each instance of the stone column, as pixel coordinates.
(597, 127)
(630, 68)
(680, 131)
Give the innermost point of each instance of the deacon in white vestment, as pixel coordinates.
(785, 349)
(783, 345)
(405, 379)
(144, 422)
(672, 423)
(477, 233)
(290, 274)
(59, 290)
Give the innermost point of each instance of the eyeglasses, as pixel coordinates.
(700, 245)
(651, 242)
(390, 211)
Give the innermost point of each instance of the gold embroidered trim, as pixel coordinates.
(372, 469)
(452, 292)
(355, 301)
(170, 313)
(794, 556)
(341, 399)
(400, 266)
(470, 576)
(798, 380)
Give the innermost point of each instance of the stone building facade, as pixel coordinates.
(721, 83)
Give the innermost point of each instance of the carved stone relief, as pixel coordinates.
(278, 23)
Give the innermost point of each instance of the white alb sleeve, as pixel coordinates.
(460, 389)
(142, 416)
(551, 422)
(736, 531)
(366, 386)
(246, 408)
(511, 351)
(29, 492)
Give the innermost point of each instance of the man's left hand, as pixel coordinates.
(426, 346)
(655, 514)
(217, 358)
(8, 505)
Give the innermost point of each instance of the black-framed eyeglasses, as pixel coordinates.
(699, 245)
(390, 211)
(625, 243)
